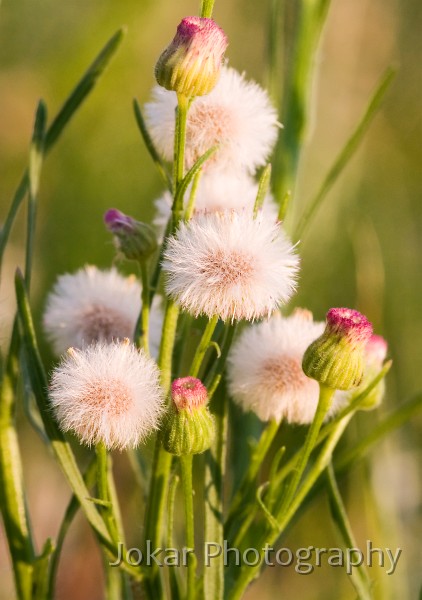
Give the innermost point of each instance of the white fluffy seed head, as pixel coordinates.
(107, 393)
(216, 192)
(237, 115)
(265, 369)
(93, 305)
(231, 265)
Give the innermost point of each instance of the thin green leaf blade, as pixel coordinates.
(83, 88)
(347, 152)
(140, 121)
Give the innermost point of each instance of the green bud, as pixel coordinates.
(134, 239)
(336, 359)
(189, 427)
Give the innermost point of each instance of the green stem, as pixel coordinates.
(142, 326)
(270, 535)
(180, 141)
(207, 8)
(203, 346)
(186, 471)
(173, 573)
(359, 578)
(192, 196)
(155, 512)
(325, 397)
(258, 455)
(215, 467)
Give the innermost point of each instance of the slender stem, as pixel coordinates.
(258, 455)
(325, 397)
(215, 468)
(359, 578)
(192, 196)
(180, 139)
(203, 346)
(216, 372)
(186, 471)
(271, 535)
(173, 573)
(207, 8)
(142, 326)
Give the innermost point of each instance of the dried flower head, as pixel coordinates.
(237, 115)
(191, 64)
(216, 192)
(107, 393)
(265, 368)
(93, 305)
(231, 265)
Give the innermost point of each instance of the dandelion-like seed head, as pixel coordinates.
(265, 372)
(237, 115)
(107, 393)
(231, 265)
(93, 305)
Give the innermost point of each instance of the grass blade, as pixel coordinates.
(140, 121)
(347, 152)
(69, 108)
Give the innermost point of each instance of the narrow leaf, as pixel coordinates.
(140, 121)
(264, 184)
(347, 152)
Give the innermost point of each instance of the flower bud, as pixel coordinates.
(191, 64)
(336, 359)
(375, 354)
(135, 240)
(189, 427)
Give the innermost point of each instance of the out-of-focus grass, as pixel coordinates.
(364, 248)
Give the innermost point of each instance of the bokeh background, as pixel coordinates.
(363, 250)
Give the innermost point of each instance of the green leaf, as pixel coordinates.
(82, 89)
(151, 147)
(36, 155)
(347, 152)
(60, 446)
(71, 105)
(264, 184)
(41, 567)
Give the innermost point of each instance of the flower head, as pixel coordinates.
(107, 393)
(336, 358)
(265, 368)
(189, 426)
(217, 192)
(237, 115)
(189, 393)
(231, 265)
(191, 64)
(93, 305)
(135, 240)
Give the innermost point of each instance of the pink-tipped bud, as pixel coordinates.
(189, 428)
(191, 64)
(337, 358)
(349, 324)
(189, 393)
(135, 240)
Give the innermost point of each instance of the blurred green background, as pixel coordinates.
(364, 250)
